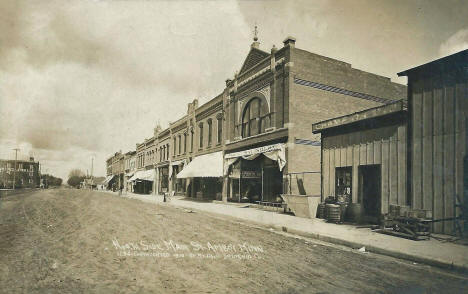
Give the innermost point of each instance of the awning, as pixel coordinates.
(204, 166)
(176, 163)
(275, 152)
(144, 175)
(107, 180)
(129, 175)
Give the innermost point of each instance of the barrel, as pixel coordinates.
(354, 212)
(333, 213)
(321, 210)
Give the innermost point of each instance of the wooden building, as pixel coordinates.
(364, 157)
(438, 108)
(417, 156)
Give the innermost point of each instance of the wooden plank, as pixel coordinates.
(337, 151)
(393, 172)
(377, 151)
(326, 171)
(331, 184)
(449, 153)
(355, 186)
(349, 155)
(416, 168)
(438, 191)
(385, 195)
(362, 153)
(401, 157)
(449, 180)
(370, 152)
(460, 140)
(427, 170)
(449, 109)
(344, 143)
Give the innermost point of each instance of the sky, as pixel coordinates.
(80, 80)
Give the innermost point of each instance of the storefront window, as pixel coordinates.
(343, 183)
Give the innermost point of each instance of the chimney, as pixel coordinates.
(289, 41)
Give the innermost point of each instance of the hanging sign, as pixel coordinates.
(253, 151)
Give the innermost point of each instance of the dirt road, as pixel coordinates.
(73, 241)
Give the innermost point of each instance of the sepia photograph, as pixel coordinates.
(234, 146)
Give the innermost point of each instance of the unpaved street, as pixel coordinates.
(74, 241)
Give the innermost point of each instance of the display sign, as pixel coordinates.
(253, 151)
(251, 174)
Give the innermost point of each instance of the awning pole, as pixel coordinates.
(262, 180)
(240, 176)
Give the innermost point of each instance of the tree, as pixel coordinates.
(75, 177)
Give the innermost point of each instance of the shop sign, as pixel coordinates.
(253, 151)
(251, 174)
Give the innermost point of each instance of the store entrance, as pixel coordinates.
(255, 180)
(369, 188)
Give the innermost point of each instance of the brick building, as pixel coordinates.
(25, 173)
(270, 106)
(253, 141)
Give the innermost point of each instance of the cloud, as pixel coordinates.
(456, 43)
(88, 78)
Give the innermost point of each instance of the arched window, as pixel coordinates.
(254, 119)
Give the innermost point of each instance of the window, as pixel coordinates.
(254, 118)
(201, 135)
(180, 144)
(175, 141)
(191, 140)
(210, 131)
(167, 149)
(220, 130)
(185, 143)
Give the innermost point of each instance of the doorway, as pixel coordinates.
(370, 191)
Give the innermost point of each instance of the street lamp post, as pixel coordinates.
(14, 171)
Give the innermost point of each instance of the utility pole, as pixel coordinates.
(92, 178)
(14, 172)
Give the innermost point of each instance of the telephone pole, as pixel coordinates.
(14, 172)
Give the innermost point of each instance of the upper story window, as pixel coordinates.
(210, 131)
(180, 144)
(220, 130)
(174, 147)
(254, 119)
(185, 143)
(167, 149)
(201, 134)
(191, 140)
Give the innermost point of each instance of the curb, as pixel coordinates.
(354, 245)
(382, 251)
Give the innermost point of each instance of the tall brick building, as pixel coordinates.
(253, 141)
(270, 106)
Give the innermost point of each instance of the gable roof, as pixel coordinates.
(255, 56)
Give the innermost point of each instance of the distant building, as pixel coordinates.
(26, 175)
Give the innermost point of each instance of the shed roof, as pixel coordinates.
(371, 113)
(455, 61)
